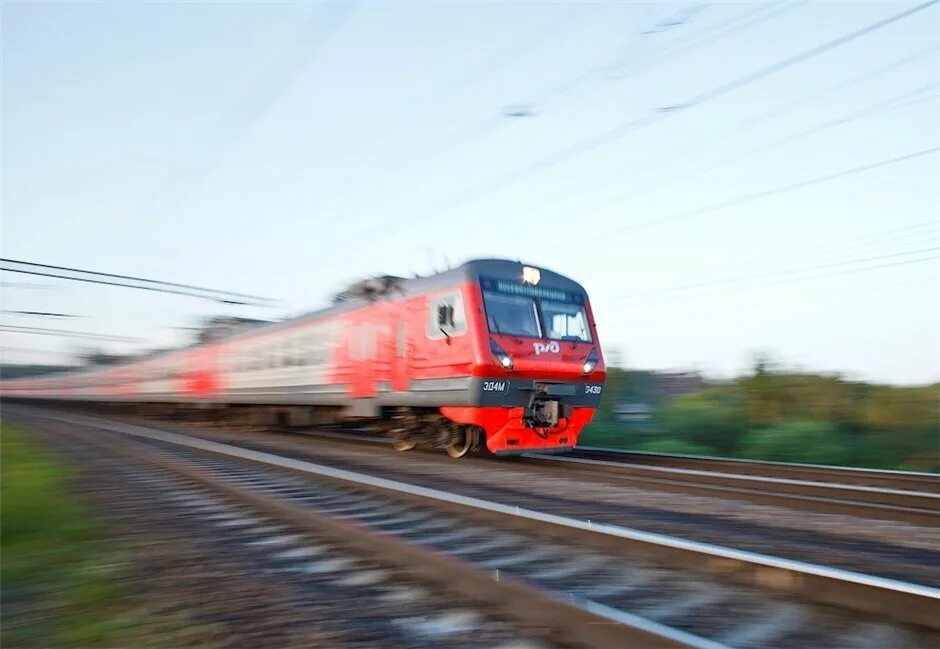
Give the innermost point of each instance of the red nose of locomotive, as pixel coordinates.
(543, 374)
(547, 359)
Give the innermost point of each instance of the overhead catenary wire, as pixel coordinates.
(919, 232)
(842, 85)
(475, 130)
(135, 279)
(142, 287)
(794, 280)
(671, 153)
(759, 14)
(68, 333)
(767, 193)
(631, 125)
(835, 246)
(894, 102)
(47, 314)
(785, 272)
(156, 289)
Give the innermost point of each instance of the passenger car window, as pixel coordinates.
(446, 316)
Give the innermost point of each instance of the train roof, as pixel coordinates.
(389, 286)
(470, 271)
(375, 289)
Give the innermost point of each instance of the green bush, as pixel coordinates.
(809, 441)
(710, 419)
(777, 415)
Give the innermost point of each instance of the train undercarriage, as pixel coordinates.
(408, 428)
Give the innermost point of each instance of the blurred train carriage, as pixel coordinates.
(492, 354)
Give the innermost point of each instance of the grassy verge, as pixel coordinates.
(60, 580)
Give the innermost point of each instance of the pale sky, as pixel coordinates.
(287, 148)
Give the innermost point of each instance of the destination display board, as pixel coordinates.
(508, 287)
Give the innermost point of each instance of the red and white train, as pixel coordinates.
(492, 354)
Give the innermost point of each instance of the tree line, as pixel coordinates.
(773, 414)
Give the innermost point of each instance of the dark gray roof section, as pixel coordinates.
(391, 287)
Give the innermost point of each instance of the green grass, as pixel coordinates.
(59, 581)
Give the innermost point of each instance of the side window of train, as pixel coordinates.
(446, 316)
(401, 339)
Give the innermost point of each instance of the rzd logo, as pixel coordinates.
(541, 348)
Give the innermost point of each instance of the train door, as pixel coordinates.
(363, 356)
(402, 352)
(446, 343)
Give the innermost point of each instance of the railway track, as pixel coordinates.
(600, 579)
(900, 480)
(345, 587)
(848, 495)
(912, 498)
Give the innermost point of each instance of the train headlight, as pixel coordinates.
(504, 359)
(531, 275)
(590, 363)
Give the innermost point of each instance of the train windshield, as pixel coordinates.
(512, 314)
(565, 321)
(520, 315)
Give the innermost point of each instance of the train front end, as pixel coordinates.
(540, 371)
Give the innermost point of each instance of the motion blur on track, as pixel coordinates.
(493, 355)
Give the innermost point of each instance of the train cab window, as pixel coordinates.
(565, 321)
(512, 314)
(446, 316)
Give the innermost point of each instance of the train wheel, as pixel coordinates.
(402, 445)
(466, 445)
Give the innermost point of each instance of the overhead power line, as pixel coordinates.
(837, 273)
(477, 129)
(792, 280)
(156, 289)
(136, 279)
(748, 123)
(228, 297)
(892, 103)
(842, 85)
(634, 124)
(825, 249)
(789, 271)
(912, 233)
(754, 196)
(68, 333)
(732, 27)
(813, 52)
(48, 314)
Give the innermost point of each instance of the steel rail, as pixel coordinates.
(901, 601)
(571, 621)
(915, 507)
(891, 479)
